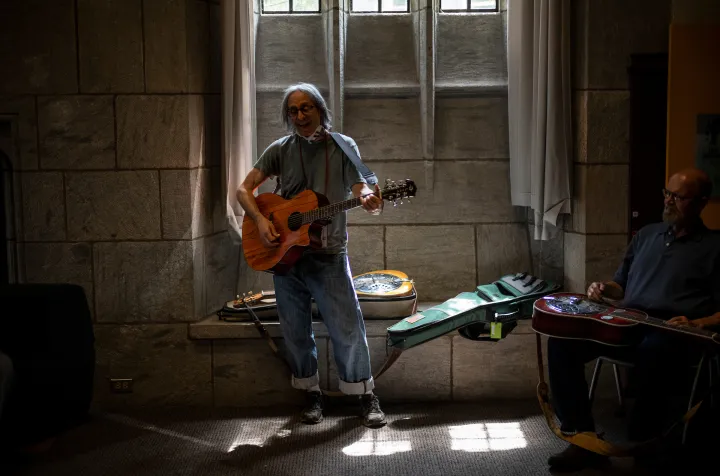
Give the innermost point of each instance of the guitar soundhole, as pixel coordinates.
(295, 221)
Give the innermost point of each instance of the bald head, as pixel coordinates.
(695, 180)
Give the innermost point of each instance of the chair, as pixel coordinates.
(712, 361)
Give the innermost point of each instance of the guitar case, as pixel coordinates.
(382, 294)
(489, 313)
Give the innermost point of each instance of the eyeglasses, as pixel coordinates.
(293, 111)
(668, 194)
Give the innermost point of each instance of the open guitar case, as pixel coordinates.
(489, 313)
(383, 294)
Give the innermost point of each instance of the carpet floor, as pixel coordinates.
(506, 438)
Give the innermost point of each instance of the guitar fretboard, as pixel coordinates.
(654, 321)
(329, 210)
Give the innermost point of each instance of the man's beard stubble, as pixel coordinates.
(670, 215)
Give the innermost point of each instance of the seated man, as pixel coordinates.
(671, 271)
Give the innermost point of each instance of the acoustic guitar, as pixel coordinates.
(575, 316)
(299, 222)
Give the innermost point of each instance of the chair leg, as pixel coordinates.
(593, 382)
(692, 395)
(621, 409)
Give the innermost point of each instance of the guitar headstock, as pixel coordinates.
(247, 299)
(399, 190)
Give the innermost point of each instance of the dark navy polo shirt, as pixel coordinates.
(667, 276)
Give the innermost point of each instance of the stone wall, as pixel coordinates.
(424, 94)
(114, 106)
(604, 34)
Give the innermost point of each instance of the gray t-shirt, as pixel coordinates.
(288, 156)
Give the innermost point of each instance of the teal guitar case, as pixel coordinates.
(488, 313)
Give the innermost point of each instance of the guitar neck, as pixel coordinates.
(653, 321)
(330, 210)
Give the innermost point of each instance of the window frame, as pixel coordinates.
(380, 10)
(290, 11)
(471, 10)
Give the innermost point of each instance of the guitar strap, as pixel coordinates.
(588, 440)
(362, 168)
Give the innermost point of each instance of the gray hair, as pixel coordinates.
(317, 99)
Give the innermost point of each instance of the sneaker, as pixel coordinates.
(312, 413)
(373, 416)
(574, 458)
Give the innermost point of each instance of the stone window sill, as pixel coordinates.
(213, 328)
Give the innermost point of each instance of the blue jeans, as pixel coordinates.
(327, 279)
(661, 362)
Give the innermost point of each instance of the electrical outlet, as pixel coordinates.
(121, 385)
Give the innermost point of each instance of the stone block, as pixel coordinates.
(21, 110)
(591, 258)
(221, 268)
(380, 51)
(167, 368)
(436, 257)
(60, 263)
(384, 129)
(470, 48)
(418, 375)
(113, 205)
(600, 203)
(604, 253)
(176, 46)
(447, 192)
(269, 125)
(366, 248)
(110, 37)
(43, 206)
(198, 279)
(603, 126)
(290, 48)
(471, 128)
(77, 132)
(246, 374)
(574, 267)
(547, 256)
(39, 54)
(607, 32)
(160, 131)
(505, 369)
(186, 203)
(166, 53)
(145, 281)
(502, 249)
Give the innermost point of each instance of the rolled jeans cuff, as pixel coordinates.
(356, 388)
(305, 383)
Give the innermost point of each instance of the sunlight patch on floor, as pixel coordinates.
(377, 444)
(249, 435)
(483, 437)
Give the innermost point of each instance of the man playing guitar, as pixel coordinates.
(308, 158)
(671, 270)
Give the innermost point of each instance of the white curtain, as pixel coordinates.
(238, 103)
(539, 94)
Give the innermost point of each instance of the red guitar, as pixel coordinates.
(299, 223)
(575, 316)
